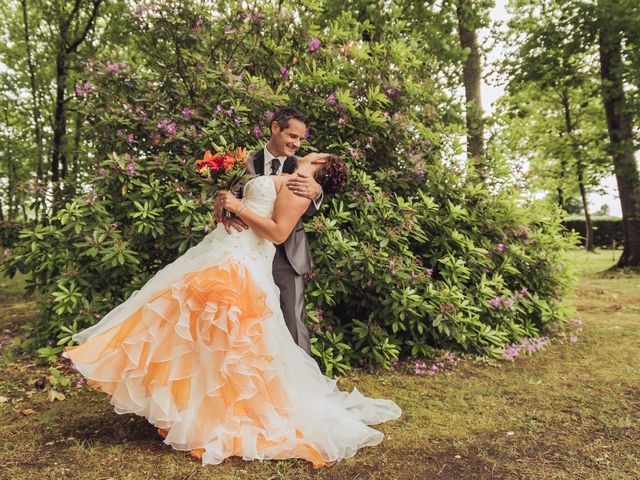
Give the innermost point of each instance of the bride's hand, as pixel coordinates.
(229, 202)
(315, 157)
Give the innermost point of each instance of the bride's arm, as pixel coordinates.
(287, 210)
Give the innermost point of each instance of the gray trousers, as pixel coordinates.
(291, 287)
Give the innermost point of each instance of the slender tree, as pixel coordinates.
(472, 78)
(35, 106)
(69, 39)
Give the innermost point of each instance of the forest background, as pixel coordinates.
(450, 235)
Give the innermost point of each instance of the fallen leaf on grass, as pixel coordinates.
(3, 399)
(53, 396)
(28, 411)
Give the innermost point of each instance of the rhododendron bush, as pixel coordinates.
(416, 257)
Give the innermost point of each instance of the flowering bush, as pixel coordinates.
(416, 257)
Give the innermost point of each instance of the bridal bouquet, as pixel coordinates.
(224, 170)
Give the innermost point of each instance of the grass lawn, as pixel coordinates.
(569, 411)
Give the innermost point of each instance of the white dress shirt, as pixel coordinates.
(268, 157)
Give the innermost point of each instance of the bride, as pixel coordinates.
(203, 352)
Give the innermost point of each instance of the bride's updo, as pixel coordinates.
(332, 175)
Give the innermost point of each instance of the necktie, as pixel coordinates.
(275, 166)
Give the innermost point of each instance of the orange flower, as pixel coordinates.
(228, 160)
(242, 153)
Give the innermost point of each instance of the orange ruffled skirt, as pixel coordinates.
(207, 361)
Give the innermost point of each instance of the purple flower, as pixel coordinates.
(420, 174)
(131, 168)
(429, 272)
(256, 18)
(331, 99)
(114, 225)
(238, 119)
(341, 121)
(495, 302)
(573, 338)
(420, 368)
(369, 199)
(130, 138)
(79, 90)
(187, 113)
(101, 171)
(314, 45)
(257, 131)
(113, 68)
(218, 108)
(414, 276)
(508, 303)
(500, 247)
(284, 73)
(167, 126)
(268, 115)
(510, 352)
(229, 112)
(206, 228)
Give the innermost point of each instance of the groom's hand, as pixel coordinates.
(303, 186)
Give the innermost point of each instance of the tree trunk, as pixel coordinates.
(11, 174)
(589, 240)
(620, 127)
(75, 159)
(35, 111)
(66, 48)
(560, 189)
(58, 155)
(472, 76)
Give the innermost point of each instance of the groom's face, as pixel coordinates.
(286, 141)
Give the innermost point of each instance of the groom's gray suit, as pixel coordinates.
(291, 261)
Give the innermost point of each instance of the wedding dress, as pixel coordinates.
(203, 352)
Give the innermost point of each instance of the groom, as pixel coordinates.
(293, 257)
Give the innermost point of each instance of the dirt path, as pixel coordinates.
(570, 411)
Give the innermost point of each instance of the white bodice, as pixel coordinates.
(259, 195)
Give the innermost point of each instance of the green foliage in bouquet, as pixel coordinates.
(416, 256)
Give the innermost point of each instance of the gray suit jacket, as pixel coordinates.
(296, 247)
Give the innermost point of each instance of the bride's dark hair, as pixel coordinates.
(332, 175)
